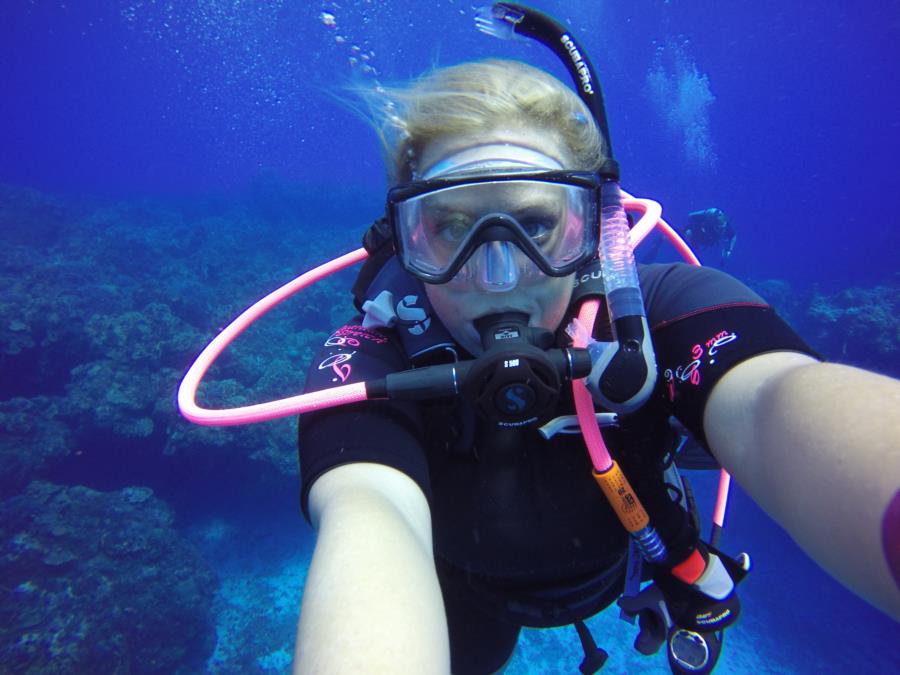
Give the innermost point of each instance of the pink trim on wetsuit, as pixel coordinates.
(703, 310)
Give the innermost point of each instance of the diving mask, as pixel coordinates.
(550, 216)
(508, 206)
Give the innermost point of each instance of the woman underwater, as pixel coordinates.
(446, 524)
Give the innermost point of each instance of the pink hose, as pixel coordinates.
(294, 405)
(187, 392)
(584, 405)
(653, 218)
(587, 314)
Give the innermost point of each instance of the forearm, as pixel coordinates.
(371, 601)
(819, 449)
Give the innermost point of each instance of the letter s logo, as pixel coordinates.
(515, 403)
(407, 311)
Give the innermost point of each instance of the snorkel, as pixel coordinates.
(624, 370)
(624, 374)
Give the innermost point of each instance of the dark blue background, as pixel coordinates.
(134, 98)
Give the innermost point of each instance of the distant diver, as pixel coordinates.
(711, 228)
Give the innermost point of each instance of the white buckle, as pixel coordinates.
(568, 424)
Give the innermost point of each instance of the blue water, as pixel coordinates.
(164, 164)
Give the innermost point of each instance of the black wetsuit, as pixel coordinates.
(711, 228)
(522, 534)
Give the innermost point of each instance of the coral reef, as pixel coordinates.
(32, 438)
(100, 583)
(860, 326)
(96, 325)
(857, 326)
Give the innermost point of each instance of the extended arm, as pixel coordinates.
(372, 602)
(817, 446)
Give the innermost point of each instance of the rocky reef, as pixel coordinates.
(100, 583)
(104, 306)
(859, 326)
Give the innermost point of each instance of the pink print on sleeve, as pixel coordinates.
(701, 354)
(339, 365)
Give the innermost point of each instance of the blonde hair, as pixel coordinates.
(479, 96)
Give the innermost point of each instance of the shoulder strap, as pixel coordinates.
(588, 283)
(377, 241)
(402, 299)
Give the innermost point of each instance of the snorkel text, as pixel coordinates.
(583, 73)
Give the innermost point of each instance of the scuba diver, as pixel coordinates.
(711, 228)
(452, 460)
(706, 229)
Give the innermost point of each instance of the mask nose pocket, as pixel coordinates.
(499, 271)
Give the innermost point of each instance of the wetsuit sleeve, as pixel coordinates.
(704, 322)
(384, 432)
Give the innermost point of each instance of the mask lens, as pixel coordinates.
(551, 222)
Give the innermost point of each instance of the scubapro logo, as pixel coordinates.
(584, 74)
(514, 401)
(594, 275)
(407, 311)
